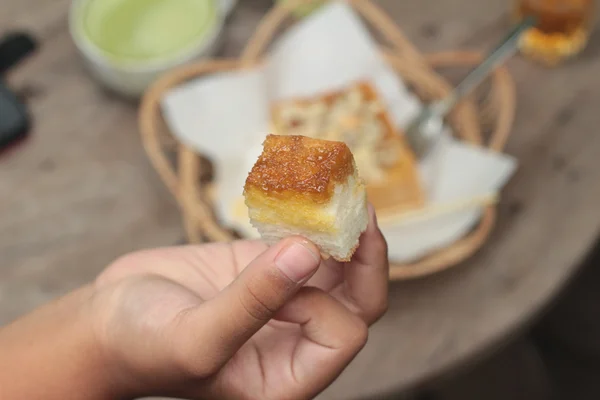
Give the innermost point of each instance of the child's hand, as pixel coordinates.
(216, 321)
(233, 321)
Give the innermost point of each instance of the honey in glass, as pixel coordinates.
(561, 31)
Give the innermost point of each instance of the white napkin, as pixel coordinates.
(226, 116)
(463, 171)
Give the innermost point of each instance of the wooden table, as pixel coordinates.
(80, 192)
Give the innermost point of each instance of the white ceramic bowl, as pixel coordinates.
(131, 77)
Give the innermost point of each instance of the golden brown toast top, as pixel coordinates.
(293, 166)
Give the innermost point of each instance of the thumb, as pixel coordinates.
(266, 284)
(223, 324)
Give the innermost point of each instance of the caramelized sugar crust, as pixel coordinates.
(300, 168)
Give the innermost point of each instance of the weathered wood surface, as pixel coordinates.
(80, 192)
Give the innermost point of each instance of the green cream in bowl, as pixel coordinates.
(129, 43)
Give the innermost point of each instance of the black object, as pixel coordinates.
(14, 118)
(15, 47)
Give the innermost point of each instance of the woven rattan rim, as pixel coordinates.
(194, 198)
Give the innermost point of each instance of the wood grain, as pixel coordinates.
(80, 192)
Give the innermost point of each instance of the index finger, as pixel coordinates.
(366, 276)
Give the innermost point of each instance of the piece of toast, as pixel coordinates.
(308, 187)
(356, 116)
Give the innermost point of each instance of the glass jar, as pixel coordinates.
(562, 29)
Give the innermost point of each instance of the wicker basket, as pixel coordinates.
(485, 119)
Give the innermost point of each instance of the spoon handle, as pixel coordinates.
(505, 49)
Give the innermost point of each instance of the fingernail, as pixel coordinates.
(297, 261)
(372, 214)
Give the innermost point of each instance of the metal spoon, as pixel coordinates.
(420, 141)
